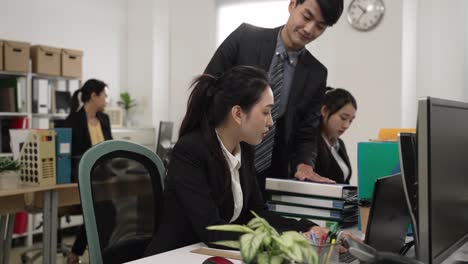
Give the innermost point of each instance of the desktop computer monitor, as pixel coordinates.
(442, 143)
(408, 163)
(388, 217)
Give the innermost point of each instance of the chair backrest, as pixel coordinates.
(121, 185)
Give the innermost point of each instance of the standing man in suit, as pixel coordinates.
(293, 144)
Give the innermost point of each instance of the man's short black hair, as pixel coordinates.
(331, 9)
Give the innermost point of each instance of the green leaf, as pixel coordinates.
(250, 243)
(231, 228)
(310, 256)
(230, 244)
(256, 223)
(278, 259)
(297, 252)
(294, 236)
(263, 258)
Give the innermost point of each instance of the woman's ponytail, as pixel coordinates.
(75, 103)
(199, 104)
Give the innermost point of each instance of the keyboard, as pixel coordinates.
(346, 257)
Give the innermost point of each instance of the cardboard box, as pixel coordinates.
(72, 63)
(1, 55)
(16, 56)
(45, 60)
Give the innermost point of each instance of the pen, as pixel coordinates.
(331, 250)
(312, 236)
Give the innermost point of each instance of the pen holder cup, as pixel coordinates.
(327, 253)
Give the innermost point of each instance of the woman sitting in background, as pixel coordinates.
(338, 112)
(90, 126)
(211, 176)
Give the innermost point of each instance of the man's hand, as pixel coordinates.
(306, 172)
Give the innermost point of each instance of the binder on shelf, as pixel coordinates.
(312, 201)
(340, 191)
(63, 138)
(41, 96)
(21, 94)
(8, 88)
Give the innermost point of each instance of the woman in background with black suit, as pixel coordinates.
(338, 112)
(90, 126)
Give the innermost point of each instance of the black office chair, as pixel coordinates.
(369, 255)
(121, 195)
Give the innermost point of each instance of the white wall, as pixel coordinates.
(94, 26)
(192, 39)
(442, 49)
(140, 49)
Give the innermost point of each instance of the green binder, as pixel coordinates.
(375, 160)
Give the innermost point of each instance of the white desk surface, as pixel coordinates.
(180, 255)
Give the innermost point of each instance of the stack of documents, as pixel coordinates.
(325, 204)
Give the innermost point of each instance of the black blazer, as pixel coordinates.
(194, 198)
(326, 164)
(296, 130)
(81, 140)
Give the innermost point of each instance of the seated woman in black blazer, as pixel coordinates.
(338, 112)
(211, 176)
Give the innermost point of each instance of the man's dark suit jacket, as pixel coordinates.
(326, 164)
(81, 141)
(296, 131)
(194, 198)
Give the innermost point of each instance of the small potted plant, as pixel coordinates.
(262, 244)
(127, 103)
(9, 176)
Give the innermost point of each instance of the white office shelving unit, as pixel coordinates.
(37, 120)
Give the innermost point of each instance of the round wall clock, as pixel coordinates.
(365, 15)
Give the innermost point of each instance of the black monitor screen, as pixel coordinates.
(443, 177)
(62, 102)
(389, 217)
(408, 162)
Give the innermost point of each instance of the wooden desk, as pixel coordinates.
(47, 198)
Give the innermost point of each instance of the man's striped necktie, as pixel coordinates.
(264, 150)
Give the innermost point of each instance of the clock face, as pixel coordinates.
(365, 14)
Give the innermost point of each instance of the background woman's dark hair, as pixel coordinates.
(89, 87)
(335, 99)
(213, 98)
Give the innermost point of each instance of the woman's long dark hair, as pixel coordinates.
(212, 98)
(89, 87)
